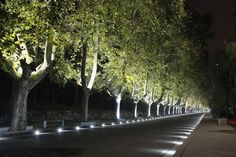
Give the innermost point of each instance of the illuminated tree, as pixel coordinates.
(32, 33)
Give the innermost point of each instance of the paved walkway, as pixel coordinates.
(210, 140)
(151, 138)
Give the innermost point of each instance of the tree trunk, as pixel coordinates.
(164, 113)
(183, 110)
(173, 110)
(169, 110)
(26, 83)
(85, 101)
(118, 101)
(176, 110)
(158, 110)
(149, 110)
(179, 110)
(20, 95)
(136, 110)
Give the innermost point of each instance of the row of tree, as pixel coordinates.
(151, 50)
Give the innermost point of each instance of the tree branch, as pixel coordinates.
(83, 66)
(49, 52)
(95, 62)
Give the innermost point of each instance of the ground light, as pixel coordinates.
(185, 130)
(185, 133)
(177, 136)
(190, 127)
(165, 152)
(59, 130)
(190, 130)
(171, 142)
(133, 121)
(177, 142)
(36, 132)
(103, 125)
(170, 152)
(77, 128)
(120, 122)
(112, 123)
(3, 138)
(91, 126)
(183, 137)
(127, 121)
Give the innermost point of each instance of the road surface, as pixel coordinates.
(155, 138)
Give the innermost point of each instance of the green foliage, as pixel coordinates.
(138, 41)
(31, 23)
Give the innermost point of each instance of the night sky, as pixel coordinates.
(220, 12)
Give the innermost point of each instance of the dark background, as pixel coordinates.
(220, 11)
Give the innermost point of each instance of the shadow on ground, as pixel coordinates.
(42, 152)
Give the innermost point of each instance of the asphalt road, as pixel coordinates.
(156, 138)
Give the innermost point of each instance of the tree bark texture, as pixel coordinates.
(87, 86)
(30, 76)
(149, 110)
(136, 110)
(164, 113)
(118, 101)
(20, 95)
(85, 96)
(169, 110)
(158, 109)
(85, 102)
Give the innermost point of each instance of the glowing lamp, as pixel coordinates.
(59, 130)
(77, 128)
(37, 132)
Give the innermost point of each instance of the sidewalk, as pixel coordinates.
(209, 140)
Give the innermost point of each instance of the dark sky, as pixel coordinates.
(221, 19)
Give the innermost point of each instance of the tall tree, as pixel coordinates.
(30, 35)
